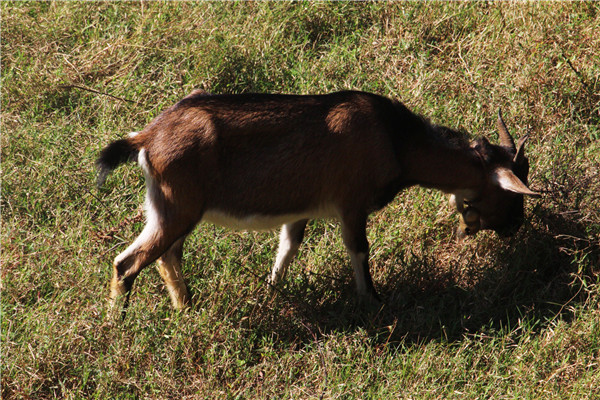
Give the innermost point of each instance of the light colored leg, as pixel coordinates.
(164, 226)
(157, 237)
(169, 267)
(129, 263)
(360, 265)
(290, 237)
(354, 234)
(152, 243)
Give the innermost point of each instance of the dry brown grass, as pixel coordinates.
(483, 318)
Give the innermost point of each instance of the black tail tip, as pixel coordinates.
(102, 174)
(112, 156)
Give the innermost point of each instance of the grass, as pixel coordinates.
(487, 318)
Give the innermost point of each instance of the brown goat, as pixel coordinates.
(257, 161)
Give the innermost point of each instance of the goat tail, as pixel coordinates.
(113, 155)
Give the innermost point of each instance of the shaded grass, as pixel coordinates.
(485, 318)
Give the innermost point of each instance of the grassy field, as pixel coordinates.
(514, 318)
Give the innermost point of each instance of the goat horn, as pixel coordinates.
(505, 139)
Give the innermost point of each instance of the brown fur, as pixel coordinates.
(276, 155)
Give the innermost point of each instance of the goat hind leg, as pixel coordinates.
(154, 241)
(169, 267)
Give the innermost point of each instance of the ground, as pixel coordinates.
(484, 318)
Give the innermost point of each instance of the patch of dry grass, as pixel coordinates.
(490, 318)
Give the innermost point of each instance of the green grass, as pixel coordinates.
(487, 318)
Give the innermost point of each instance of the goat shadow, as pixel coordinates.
(531, 278)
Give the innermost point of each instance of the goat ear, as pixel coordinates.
(507, 180)
(520, 154)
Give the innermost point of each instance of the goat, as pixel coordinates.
(258, 161)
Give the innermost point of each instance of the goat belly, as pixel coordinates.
(260, 222)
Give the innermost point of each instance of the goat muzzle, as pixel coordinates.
(469, 223)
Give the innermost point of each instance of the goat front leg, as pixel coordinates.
(290, 237)
(354, 234)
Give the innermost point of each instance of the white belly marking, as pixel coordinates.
(259, 222)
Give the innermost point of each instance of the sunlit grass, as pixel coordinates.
(486, 318)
